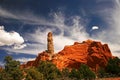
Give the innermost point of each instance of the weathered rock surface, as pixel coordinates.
(43, 56)
(50, 46)
(92, 53)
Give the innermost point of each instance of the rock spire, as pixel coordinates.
(50, 46)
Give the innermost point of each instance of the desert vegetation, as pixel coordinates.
(111, 70)
(48, 71)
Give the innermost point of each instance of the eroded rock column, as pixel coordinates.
(50, 46)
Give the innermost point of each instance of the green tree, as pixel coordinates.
(74, 74)
(34, 74)
(49, 70)
(65, 72)
(85, 72)
(4, 75)
(12, 68)
(113, 67)
(102, 73)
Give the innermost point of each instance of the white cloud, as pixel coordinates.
(38, 38)
(95, 28)
(10, 38)
(76, 32)
(61, 41)
(24, 60)
(1, 27)
(110, 34)
(114, 32)
(6, 14)
(20, 46)
(1, 64)
(26, 17)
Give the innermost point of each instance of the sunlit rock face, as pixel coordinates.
(92, 53)
(43, 56)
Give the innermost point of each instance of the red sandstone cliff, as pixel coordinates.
(92, 53)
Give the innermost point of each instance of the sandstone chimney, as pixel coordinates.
(50, 46)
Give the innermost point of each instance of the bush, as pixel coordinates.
(65, 72)
(86, 73)
(74, 74)
(113, 67)
(33, 74)
(5, 76)
(12, 69)
(102, 73)
(49, 70)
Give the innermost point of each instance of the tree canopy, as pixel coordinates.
(48, 71)
(12, 70)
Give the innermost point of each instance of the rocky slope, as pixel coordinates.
(92, 53)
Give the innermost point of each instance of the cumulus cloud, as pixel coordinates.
(68, 34)
(11, 39)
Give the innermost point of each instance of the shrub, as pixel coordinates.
(34, 74)
(12, 69)
(49, 70)
(113, 67)
(86, 73)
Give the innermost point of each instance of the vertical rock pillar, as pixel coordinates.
(50, 46)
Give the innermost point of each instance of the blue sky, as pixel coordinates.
(24, 25)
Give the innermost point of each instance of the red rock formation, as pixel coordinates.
(44, 56)
(27, 65)
(92, 53)
(50, 46)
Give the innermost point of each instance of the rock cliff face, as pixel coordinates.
(92, 53)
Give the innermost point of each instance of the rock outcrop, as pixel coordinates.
(92, 53)
(50, 46)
